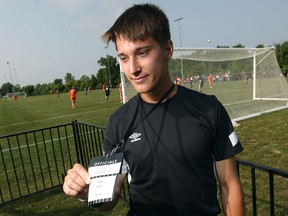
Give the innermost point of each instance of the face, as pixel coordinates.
(145, 65)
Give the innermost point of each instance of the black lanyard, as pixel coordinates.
(130, 130)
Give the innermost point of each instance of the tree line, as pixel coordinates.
(109, 74)
(109, 71)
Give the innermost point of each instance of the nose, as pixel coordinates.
(134, 66)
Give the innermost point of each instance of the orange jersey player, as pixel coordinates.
(72, 94)
(210, 80)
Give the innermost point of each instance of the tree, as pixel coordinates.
(29, 90)
(282, 55)
(68, 78)
(6, 88)
(239, 46)
(42, 89)
(69, 82)
(84, 81)
(93, 81)
(58, 84)
(109, 64)
(222, 46)
(102, 76)
(260, 46)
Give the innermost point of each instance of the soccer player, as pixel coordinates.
(14, 98)
(72, 94)
(201, 83)
(210, 80)
(176, 142)
(107, 91)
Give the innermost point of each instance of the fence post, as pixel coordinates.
(271, 184)
(254, 204)
(79, 153)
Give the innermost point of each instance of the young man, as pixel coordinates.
(180, 140)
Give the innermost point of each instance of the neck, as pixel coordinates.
(154, 97)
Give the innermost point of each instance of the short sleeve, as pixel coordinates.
(225, 142)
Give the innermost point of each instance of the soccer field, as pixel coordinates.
(236, 96)
(264, 138)
(44, 111)
(43, 156)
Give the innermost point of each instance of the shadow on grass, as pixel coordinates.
(55, 202)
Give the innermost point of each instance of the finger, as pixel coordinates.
(74, 180)
(81, 171)
(69, 191)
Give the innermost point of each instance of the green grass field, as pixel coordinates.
(264, 138)
(237, 97)
(44, 111)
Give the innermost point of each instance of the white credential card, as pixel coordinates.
(102, 189)
(103, 173)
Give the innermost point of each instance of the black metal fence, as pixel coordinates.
(35, 161)
(265, 187)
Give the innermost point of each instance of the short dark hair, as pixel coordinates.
(140, 22)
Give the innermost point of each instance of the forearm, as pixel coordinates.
(232, 200)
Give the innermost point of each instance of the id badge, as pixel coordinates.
(103, 173)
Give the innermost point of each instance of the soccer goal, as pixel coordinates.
(248, 81)
(18, 95)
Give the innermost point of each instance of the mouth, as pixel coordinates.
(139, 80)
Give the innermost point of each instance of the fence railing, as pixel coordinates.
(35, 161)
(88, 141)
(260, 183)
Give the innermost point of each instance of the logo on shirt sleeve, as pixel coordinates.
(233, 138)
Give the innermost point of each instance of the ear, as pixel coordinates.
(169, 49)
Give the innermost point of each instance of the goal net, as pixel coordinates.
(247, 81)
(18, 95)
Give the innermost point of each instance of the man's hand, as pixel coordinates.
(76, 182)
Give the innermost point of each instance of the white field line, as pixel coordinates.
(52, 118)
(247, 101)
(34, 144)
(30, 145)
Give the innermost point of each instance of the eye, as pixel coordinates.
(143, 53)
(123, 58)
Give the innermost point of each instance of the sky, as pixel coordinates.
(44, 39)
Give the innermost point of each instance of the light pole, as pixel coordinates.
(5, 83)
(181, 59)
(10, 74)
(106, 47)
(17, 84)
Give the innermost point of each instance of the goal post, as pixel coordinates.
(270, 83)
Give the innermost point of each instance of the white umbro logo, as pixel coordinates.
(135, 137)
